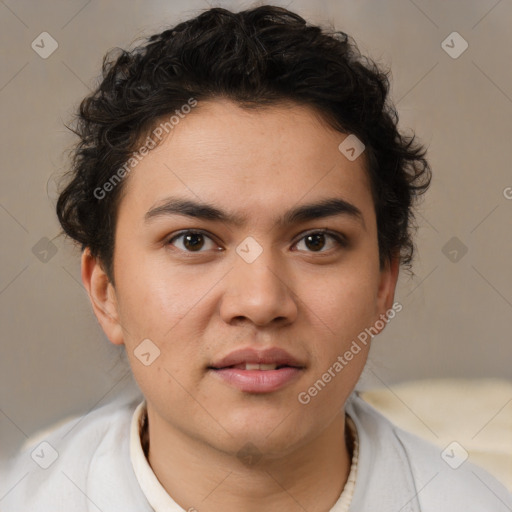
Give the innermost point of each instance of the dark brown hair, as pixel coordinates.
(258, 57)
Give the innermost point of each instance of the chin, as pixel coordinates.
(269, 431)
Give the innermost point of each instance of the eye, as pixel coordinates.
(192, 241)
(316, 240)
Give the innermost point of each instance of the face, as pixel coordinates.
(291, 292)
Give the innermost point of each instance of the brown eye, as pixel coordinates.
(191, 241)
(316, 241)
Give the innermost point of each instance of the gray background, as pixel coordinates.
(456, 320)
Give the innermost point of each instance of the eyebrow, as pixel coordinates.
(328, 207)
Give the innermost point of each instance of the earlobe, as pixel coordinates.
(102, 296)
(387, 285)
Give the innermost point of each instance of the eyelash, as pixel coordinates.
(337, 237)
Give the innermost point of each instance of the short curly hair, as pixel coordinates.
(258, 57)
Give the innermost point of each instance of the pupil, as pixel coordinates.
(193, 241)
(318, 237)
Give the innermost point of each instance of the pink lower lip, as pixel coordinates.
(258, 381)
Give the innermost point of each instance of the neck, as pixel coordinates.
(198, 476)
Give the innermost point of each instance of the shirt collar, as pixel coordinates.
(156, 495)
(160, 500)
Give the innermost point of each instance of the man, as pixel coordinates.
(243, 199)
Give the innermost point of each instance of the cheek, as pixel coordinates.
(152, 298)
(346, 302)
(341, 308)
(341, 312)
(164, 307)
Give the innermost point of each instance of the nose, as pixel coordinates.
(259, 292)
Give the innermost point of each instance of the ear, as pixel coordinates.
(103, 297)
(387, 285)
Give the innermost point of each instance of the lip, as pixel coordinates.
(273, 355)
(258, 381)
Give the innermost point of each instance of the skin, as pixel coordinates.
(198, 306)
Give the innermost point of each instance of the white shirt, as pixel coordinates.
(86, 466)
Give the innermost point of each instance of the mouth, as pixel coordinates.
(255, 366)
(258, 372)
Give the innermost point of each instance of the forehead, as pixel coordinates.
(248, 159)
